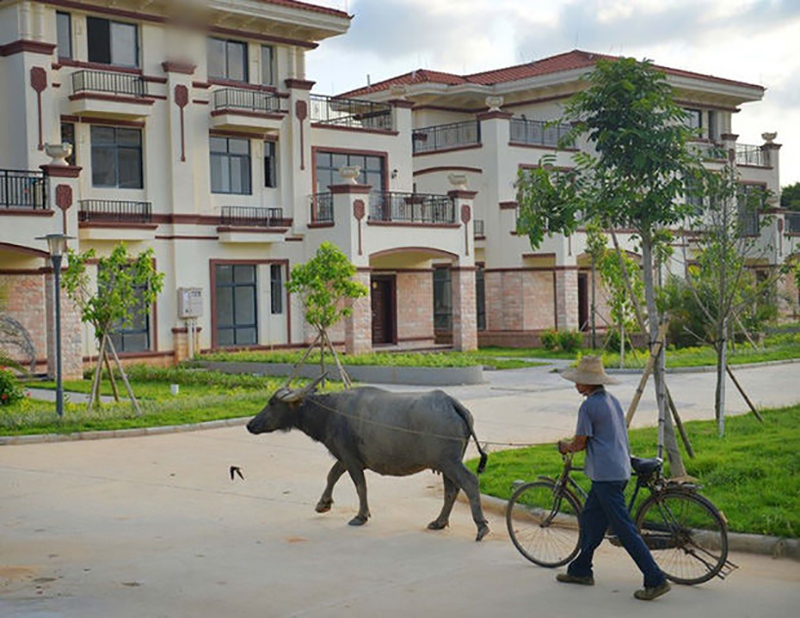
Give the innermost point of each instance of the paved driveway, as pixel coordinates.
(152, 527)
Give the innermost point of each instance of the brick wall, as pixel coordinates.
(539, 310)
(415, 306)
(358, 326)
(71, 334)
(465, 325)
(25, 302)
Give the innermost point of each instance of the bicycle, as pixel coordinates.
(686, 533)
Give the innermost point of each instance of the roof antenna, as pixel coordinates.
(369, 85)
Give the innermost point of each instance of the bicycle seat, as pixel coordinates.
(645, 467)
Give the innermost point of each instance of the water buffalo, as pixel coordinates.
(390, 433)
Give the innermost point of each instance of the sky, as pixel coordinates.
(753, 41)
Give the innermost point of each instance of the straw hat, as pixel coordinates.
(589, 371)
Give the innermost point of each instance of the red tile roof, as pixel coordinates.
(575, 59)
(306, 6)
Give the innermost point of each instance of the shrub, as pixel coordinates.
(10, 389)
(550, 339)
(570, 340)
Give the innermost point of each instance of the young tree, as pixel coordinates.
(622, 304)
(325, 284)
(726, 245)
(126, 285)
(633, 179)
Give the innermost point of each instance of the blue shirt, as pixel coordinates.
(601, 420)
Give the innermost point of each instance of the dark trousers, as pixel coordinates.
(606, 506)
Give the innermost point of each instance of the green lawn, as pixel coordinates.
(394, 359)
(752, 475)
(782, 346)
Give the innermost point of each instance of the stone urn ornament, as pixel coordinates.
(59, 153)
(459, 181)
(769, 137)
(494, 103)
(350, 174)
(399, 91)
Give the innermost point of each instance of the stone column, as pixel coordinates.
(358, 325)
(465, 323)
(71, 340)
(296, 151)
(566, 298)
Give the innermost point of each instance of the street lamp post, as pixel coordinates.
(56, 245)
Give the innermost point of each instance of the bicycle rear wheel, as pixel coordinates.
(686, 534)
(543, 525)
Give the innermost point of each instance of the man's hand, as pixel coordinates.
(563, 447)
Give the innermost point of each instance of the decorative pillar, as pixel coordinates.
(566, 284)
(358, 325)
(465, 320)
(296, 150)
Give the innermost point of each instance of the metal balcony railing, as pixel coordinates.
(21, 189)
(411, 208)
(792, 223)
(751, 155)
(237, 99)
(446, 136)
(709, 151)
(540, 133)
(114, 211)
(247, 216)
(351, 113)
(479, 228)
(322, 208)
(124, 84)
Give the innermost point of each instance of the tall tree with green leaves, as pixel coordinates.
(632, 178)
(126, 285)
(325, 285)
(790, 196)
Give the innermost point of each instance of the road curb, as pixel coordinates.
(774, 546)
(706, 368)
(121, 433)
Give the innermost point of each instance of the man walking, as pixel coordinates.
(602, 432)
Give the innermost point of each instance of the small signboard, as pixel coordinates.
(190, 303)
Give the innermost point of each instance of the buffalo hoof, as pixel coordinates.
(323, 506)
(437, 525)
(358, 520)
(483, 530)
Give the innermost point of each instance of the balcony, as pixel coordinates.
(108, 94)
(246, 109)
(792, 223)
(253, 225)
(22, 191)
(116, 220)
(351, 114)
(411, 208)
(549, 134)
(709, 151)
(751, 155)
(321, 209)
(445, 137)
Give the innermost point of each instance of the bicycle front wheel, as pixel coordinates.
(686, 534)
(543, 523)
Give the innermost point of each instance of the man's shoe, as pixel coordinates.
(648, 594)
(566, 578)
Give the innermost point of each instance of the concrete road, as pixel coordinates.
(152, 527)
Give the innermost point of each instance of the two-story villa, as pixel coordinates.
(490, 125)
(195, 133)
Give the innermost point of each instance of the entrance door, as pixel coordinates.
(583, 301)
(383, 309)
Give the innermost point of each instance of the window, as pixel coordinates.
(694, 120)
(480, 298)
(750, 201)
(64, 35)
(442, 299)
(112, 42)
(134, 336)
(328, 164)
(713, 131)
(267, 65)
(235, 304)
(276, 287)
(270, 165)
(230, 165)
(227, 60)
(116, 157)
(68, 137)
